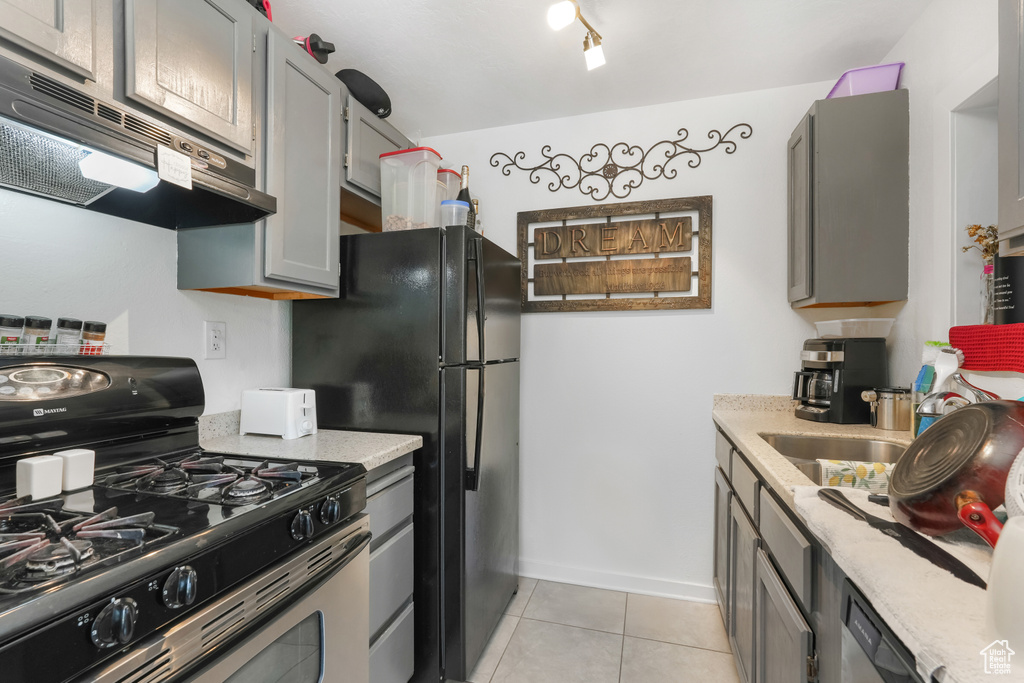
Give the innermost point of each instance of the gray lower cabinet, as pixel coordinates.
(743, 547)
(367, 137)
(390, 506)
(293, 253)
(784, 643)
(63, 32)
(779, 592)
(720, 578)
(849, 189)
(192, 62)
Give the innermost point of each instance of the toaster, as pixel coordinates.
(288, 413)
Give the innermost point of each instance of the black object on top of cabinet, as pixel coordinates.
(366, 91)
(833, 373)
(848, 177)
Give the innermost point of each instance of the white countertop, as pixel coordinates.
(370, 449)
(937, 616)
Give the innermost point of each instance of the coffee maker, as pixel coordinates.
(833, 373)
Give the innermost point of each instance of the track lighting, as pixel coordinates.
(561, 14)
(592, 51)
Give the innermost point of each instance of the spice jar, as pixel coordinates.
(93, 334)
(11, 327)
(68, 335)
(36, 334)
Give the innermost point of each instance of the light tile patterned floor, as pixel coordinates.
(560, 633)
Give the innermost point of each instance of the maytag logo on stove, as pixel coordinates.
(39, 412)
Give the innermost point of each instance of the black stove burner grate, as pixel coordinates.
(211, 479)
(42, 543)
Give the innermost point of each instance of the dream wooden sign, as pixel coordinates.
(629, 256)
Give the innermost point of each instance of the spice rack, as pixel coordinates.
(52, 350)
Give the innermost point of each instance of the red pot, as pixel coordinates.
(955, 473)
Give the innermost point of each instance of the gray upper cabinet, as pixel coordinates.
(192, 61)
(294, 253)
(800, 246)
(1011, 128)
(303, 166)
(784, 643)
(367, 138)
(849, 190)
(61, 31)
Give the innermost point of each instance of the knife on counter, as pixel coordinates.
(907, 537)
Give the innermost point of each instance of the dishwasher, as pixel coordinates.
(871, 652)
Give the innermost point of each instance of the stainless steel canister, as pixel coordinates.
(890, 407)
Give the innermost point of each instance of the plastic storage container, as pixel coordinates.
(454, 212)
(867, 79)
(448, 183)
(408, 183)
(854, 327)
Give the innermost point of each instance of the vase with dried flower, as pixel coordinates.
(986, 241)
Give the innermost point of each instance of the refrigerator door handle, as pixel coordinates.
(478, 264)
(473, 473)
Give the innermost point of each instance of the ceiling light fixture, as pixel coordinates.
(561, 14)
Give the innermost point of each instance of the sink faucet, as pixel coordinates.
(944, 402)
(974, 394)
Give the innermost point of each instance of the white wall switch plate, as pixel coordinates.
(215, 340)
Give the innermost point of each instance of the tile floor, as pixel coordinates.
(560, 633)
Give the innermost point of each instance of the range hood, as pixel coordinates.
(60, 143)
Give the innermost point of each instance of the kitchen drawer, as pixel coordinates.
(391, 657)
(792, 552)
(746, 485)
(723, 452)
(391, 578)
(389, 502)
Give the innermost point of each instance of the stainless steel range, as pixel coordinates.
(177, 563)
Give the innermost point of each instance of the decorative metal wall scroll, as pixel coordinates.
(617, 169)
(585, 258)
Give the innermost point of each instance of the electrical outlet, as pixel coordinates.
(215, 340)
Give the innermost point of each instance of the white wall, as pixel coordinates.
(950, 54)
(57, 260)
(616, 431)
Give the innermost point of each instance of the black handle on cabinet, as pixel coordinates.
(478, 261)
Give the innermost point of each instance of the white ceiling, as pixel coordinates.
(452, 66)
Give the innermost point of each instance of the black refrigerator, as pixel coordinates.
(424, 339)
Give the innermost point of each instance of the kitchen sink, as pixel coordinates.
(803, 451)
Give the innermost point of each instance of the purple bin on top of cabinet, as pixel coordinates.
(867, 79)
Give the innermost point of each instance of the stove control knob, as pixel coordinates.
(302, 526)
(180, 587)
(330, 511)
(115, 624)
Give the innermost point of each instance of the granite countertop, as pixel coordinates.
(937, 616)
(370, 449)
(744, 418)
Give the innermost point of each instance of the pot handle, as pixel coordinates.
(977, 516)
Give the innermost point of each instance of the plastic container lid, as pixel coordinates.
(33, 321)
(449, 170)
(455, 202)
(69, 323)
(409, 151)
(11, 321)
(94, 326)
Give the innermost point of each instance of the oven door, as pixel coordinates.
(291, 647)
(306, 620)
